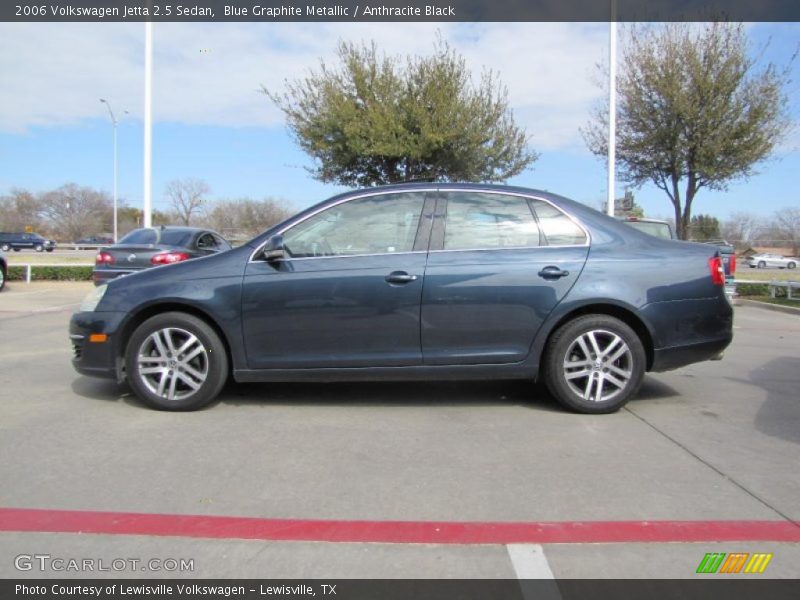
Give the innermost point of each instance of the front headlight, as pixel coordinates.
(93, 298)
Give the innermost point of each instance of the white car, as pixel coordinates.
(763, 261)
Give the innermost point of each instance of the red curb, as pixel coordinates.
(395, 532)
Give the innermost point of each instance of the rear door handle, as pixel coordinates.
(400, 277)
(552, 272)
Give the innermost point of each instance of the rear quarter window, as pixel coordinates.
(556, 227)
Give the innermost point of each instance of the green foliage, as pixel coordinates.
(695, 111)
(376, 120)
(47, 273)
(704, 227)
(752, 289)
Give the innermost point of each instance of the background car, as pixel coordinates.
(762, 261)
(150, 247)
(415, 282)
(93, 241)
(17, 241)
(3, 271)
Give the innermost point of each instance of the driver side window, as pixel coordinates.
(381, 224)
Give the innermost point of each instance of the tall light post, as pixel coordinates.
(612, 108)
(114, 122)
(148, 123)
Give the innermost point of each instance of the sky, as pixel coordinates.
(212, 121)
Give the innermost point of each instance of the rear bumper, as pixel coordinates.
(689, 331)
(95, 359)
(665, 359)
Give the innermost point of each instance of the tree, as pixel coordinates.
(788, 222)
(704, 227)
(695, 111)
(18, 210)
(376, 120)
(187, 197)
(75, 211)
(740, 228)
(246, 217)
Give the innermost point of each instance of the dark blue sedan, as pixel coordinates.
(415, 282)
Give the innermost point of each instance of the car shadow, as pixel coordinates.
(779, 415)
(411, 394)
(403, 393)
(105, 389)
(448, 393)
(654, 389)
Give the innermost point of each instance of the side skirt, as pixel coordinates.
(415, 373)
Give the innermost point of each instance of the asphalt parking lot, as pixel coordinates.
(716, 441)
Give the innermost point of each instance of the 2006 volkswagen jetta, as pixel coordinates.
(436, 281)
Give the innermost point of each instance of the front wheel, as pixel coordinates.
(792, 265)
(5, 247)
(762, 264)
(39, 248)
(175, 361)
(594, 364)
(2, 279)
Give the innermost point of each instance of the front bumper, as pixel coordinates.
(96, 358)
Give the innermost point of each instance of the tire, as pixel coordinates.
(572, 342)
(2, 278)
(761, 264)
(5, 247)
(38, 248)
(791, 265)
(149, 347)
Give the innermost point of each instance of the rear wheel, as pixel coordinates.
(792, 265)
(594, 364)
(175, 361)
(39, 248)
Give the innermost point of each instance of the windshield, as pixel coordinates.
(164, 237)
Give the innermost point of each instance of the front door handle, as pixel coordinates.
(552, 272)
(400, 277)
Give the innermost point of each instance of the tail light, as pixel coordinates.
(167, 258)
(104, 258)
(732, 265)
(717, 271)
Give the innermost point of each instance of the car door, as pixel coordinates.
(346, 292)
(499, 263)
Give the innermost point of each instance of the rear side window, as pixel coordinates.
(481, 221)
(557, 228)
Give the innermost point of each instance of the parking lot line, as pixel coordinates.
(402, 532)
(529, 561)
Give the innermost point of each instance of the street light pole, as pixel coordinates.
(612, 108)
(114, 122)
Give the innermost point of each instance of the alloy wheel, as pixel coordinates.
(172, 363)
(598, 365)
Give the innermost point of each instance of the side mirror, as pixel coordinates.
(273, 249)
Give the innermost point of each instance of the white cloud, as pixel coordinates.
(211, 73)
